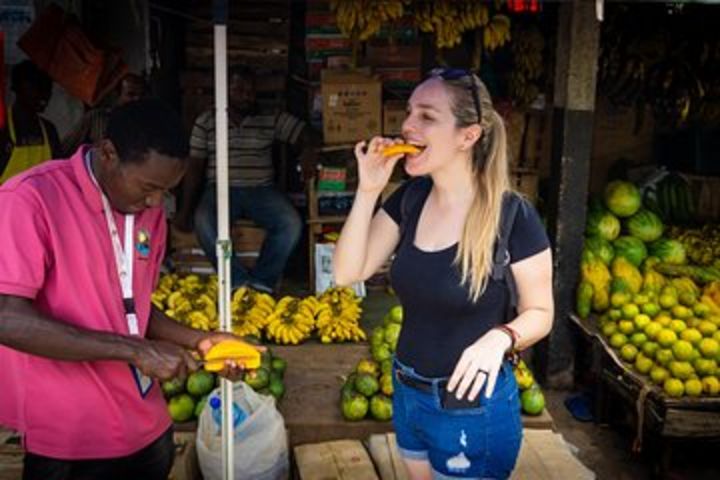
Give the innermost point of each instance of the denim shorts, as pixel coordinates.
(480, 442)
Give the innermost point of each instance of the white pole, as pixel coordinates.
(224, 245)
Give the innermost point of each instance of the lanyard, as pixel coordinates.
(123, 256)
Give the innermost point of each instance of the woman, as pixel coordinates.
(456, 407)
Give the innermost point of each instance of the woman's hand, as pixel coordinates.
(479, 365)
(374, 169)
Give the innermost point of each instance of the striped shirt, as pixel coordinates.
(250, 162)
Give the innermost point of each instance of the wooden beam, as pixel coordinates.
(575, 79)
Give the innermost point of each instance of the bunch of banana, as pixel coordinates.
(361, 19)
(701, 244)
(496, 33)
(527, 52)
(449, 19)
(188, 299)
(291, 322)
(338, 319)
(250, 311)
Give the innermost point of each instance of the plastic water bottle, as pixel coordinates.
(239, 414)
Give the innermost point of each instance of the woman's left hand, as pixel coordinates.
(479, 365)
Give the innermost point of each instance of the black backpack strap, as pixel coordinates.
(501, 258)
(410, 199)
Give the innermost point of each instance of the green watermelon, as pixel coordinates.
(631, 248)
(668, 251)
(601, 248)
(622, 198)
(645, 225)
(603, 224)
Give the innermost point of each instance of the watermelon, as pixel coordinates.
(631, 248)
(645, 225)
(668, 251)
(601, 248)
(622, 198)
(603, 224)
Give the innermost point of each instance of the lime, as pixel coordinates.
(386, 384)
(693, 387)
(276, 387)
(666, 337)
(641, 321)
(709, 347)
(638, 339)
(640, 299)
(628, 352)
(707, 328)
(381, 407)
(279, 365)
(615, 314)
(682, 350)
(257, 379)
(200, 383)
(626, 326)
(532, 401)
(681, 312)
(618, 299)
(650, 349)
(677, 326)
(200, 405)
(664, 356)
(711, 385)
(366, 384)
(396, 314)
(667, 300)
(630, 310)
(609, 328)
(617, 340)
(652, 329)
(354, 406)
(663, 319)
(650, 309)
(386, 367)
(172, 387)
(691, 335)
(368, 366)
(181, 408)
(705, 366)
(643, 364)
(674, 387)
(701, 310)
(681, 370)
(658, 375)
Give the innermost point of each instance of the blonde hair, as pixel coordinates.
(490, 167)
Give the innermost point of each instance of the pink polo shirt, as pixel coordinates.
(55, 248)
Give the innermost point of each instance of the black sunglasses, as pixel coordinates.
(457, 74)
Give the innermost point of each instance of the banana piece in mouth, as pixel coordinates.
(401, 148)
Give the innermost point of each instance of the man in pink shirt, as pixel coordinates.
(81, 347)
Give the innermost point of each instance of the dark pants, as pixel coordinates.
(151, 463)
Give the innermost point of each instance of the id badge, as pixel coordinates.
(142, 381)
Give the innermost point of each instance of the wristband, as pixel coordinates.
(510, 332)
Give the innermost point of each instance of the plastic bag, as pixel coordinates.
(260, 441)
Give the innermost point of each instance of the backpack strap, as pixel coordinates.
(410, 199)
(501, 257)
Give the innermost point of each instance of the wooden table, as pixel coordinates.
(668, 420)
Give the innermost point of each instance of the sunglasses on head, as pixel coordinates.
(457, 74)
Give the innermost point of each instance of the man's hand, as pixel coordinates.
(163, 360)
(232, 370)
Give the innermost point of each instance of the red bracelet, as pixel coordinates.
(510, 332)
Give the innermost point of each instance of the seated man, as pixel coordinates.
(91, 127)
(27, 139)
(252, 194)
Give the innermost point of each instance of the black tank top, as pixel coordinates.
(440, 320)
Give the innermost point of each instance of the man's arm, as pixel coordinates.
(194, 180)
(24, 328)
(306, 149)
(163, 328)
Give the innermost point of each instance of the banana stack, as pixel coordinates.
(189, 300)
(338, 318)
(449, 19)
(250, 311)
(361, 19)
(496, 33)
(527, 53)
(292, 321)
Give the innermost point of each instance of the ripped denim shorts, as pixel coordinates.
(480, 442)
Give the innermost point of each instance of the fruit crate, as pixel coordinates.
(664, 419)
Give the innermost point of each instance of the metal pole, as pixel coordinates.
(223, 245)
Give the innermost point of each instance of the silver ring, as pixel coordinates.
(480, 370)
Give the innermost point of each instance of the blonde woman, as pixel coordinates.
(456, 408)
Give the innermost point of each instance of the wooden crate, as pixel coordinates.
(338, 460)
(185, 466)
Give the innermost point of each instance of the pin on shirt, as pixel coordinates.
(142, 243)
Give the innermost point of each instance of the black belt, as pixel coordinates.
(422, 385)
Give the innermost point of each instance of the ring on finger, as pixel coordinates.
(481, 371)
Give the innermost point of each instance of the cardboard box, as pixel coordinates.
(351, 106)
(340, 460)
(394, 113)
